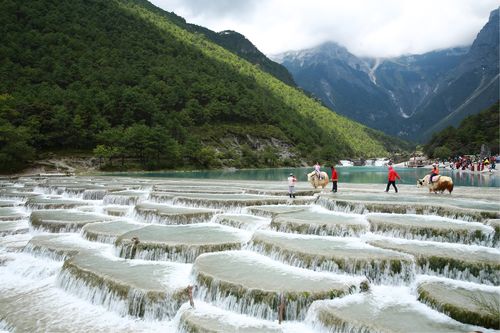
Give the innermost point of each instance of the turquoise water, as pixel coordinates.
(346, 175)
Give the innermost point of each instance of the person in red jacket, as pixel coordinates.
(392, 178)
(334, 178)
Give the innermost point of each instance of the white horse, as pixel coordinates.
(312, 177)
(440, 183)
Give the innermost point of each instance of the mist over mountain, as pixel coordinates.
(411, 96)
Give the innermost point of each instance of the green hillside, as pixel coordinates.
(118, 78)
(232, 41)
(474, 131)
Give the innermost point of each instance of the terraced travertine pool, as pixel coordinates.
(116, 254)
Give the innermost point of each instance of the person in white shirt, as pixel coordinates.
(291, 185)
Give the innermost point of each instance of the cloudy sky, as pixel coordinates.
(380, 28)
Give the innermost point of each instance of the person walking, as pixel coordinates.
(335, 178)
(392, 179)
(291, 185)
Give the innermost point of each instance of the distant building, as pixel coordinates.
(418, 161)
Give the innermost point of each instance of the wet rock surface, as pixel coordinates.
(422, 227)
(467, 303)
(156, 297)
(201, 255)
(242, 221)
(59, 247)
(335, 254)
(168, 214)
(63, 220)
(320, 222)
(256, 283)
(372, 312)
(181, 243)
(476, 264)
(212, 320)
(108, 232)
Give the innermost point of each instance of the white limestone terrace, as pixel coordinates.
(467, 302)
(207, 318)
(429, 227)
(179, 243)
(243, 221)
(483, 205)
(171, 214)
(250, 283)
(62, 220)
(351, 261)
(385, 310)
(154, 290)
(336, 254)
(320, 221)
(60, 246)
(470, 263)
(108, 232)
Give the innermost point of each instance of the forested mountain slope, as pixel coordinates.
(467, 139)
(232, 41)
(117, 74)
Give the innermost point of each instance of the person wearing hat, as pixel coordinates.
(291, 185)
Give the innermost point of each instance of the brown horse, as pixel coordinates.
(315, 182)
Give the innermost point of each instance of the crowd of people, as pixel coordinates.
(473, 163)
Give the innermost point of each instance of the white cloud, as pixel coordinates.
(378, 28)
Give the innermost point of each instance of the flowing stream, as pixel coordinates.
(124, 254)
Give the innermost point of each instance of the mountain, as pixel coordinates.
(468, 88)
(342, 82)
(419, 93)
(473, 132)
(122, 78)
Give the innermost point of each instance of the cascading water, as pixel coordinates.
(125, 252)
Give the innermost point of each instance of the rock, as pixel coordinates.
(181, 243)
(335, 254)
(469, 263)
(240, 221)
(108, 232)
(320, 223)
(150, 291)
(435, 228)
(168, 214)
(249, 283)
(472, 305)
(381, 314)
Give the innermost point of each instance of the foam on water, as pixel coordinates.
(39, 305)
(24, 267)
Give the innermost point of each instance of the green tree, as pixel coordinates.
(15, 148)
(442, 152)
